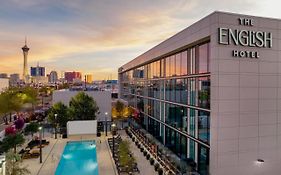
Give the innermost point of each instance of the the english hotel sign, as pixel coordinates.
(247, 38)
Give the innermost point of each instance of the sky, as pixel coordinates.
(99, 36)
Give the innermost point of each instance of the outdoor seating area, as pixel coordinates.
(123, 157)
(32, 150)
(159, 158)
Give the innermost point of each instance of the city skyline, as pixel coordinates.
(89, 37)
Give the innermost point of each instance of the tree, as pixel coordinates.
(83, 107)
(10, 102)
(29, 95)
(19, 123)
(14, 165)
(62, 114)
(12, 141)
(121, 112)
(10, 130)
(120, 108)
(31, 128)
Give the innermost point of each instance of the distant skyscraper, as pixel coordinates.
(89, 78)
(37, 71)
(14, 79)
(53, 77)
(25, 50)
(70, 76)
(3, 75)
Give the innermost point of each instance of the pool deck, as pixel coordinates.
(51, 156)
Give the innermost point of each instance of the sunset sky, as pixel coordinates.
(98, 36)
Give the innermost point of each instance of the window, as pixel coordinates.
(184, 63)
(172, 65)
(204, 92)
(178, 64)
(192, 63)
(168, 66)
(157, 69)
(204, 126)
(162, 73)
(203, 58)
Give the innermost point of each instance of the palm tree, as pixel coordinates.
(14, 164)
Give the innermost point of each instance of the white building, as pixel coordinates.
(102, 98)
(4, 83)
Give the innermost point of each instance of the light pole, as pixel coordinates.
(56, 115)
(40, 133)
(113, 141)
(105, 123)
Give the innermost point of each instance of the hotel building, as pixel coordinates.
(212, 93)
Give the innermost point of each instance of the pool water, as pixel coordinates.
(78, 158)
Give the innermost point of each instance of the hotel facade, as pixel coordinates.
(212, 93)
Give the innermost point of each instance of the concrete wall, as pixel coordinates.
(245, 101)
(103, 99)
(4, 83)
(84, 127)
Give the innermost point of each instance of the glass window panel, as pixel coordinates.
(168, 66)
(192, 91)
(204, 92)
(172, 65)
(179, 89)
(184, 63)
(178, 64)
(203, 58)
(162, 68)
(204, 126)
(192, 61)
(173, 90)
(158, 69)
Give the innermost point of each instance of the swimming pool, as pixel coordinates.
(78, 158)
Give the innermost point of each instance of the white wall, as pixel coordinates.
(82, 127)
(4, 83)
(103, 99)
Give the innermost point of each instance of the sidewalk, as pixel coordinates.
(105, 162)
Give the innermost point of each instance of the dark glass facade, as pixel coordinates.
(37, 71)
(172, 95)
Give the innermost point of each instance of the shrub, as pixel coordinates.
(124, 156)
(151, 160)
(144, 153)
(160, 171)
(156, 166)
(170, 173)
(133, 139)
(19, 123)
(10, 130)
(147, 156)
